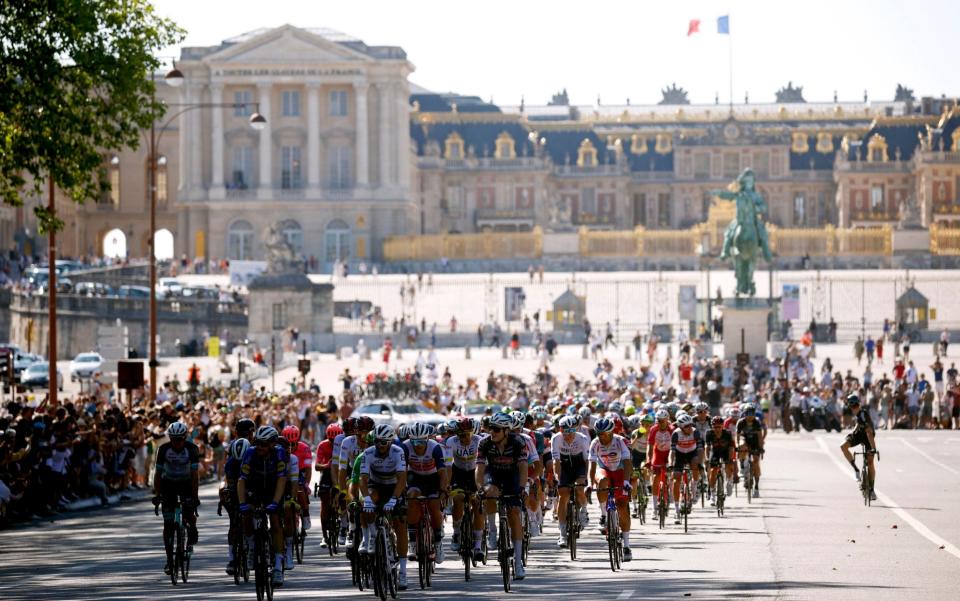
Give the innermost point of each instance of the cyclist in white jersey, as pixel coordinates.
(383, 481)
(461, 448)
(571, 453)
(611, 453)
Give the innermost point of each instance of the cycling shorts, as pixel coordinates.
(680, 460)
(569, 474)
(508, 485)
(859, 437)
(172, 491)
(463, 479)
(427, 484)
(615, 479)
(383, 493)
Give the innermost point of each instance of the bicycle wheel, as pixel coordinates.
(269, 562)
(686, 502)
(299, 544)
(177, 556)
(503, 553)
(612, 530)
(184, 558)
(380, 567)
(259, 569)
(572, 525)
(422, 568)
(642, 503)
(663, 505)
(525, 544)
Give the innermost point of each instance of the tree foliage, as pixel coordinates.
(74, 84)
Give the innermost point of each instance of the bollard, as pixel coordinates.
(585, 354)
(466, 352)
(503, 352)
(399, 352)
(336, 353)
(366, 353)
(626, 352)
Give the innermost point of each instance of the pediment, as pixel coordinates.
(286, 45)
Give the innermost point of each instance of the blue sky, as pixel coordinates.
(621, 49)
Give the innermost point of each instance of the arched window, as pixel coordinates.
(453, 147)
(240, 241)
(824, 142)
(163, 245)
(113, 177)
(115, 244)
(293, 233)
(801, 143)
(664, 144)
(505, 147)
(337, 241)
(587, 154)
(162, 179)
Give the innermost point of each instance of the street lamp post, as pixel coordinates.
(257, 121)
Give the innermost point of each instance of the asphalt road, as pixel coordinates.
(809, 536)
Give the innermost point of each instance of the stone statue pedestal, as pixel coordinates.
(281, 301)
(745, 327)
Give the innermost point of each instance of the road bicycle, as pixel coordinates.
(385, 566)
(613, 534)
(663, 498)
(235, 535)
(866, 482)
(359, 568)
(748, 476)
(686, 494)
(466, 531)
(573, 518)
(425, 548)
(179, 563)
(330, 526)
(641, 499)
(719, 488)
(505, 548)
(263, 555)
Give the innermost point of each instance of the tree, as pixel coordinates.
(75, 84)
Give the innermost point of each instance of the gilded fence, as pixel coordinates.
(828, 240)
(944, 240)
(483, 245)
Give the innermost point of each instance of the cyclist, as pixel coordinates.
(383, 480)
(324, 462)
(686, 446)
(609, 451)
(228, 493)
(263, 480)
(751, 434)
(428, 476)
(349, 429)
(505, 456)
(639, 428)
(246, 428)
(291, 504)
(571, 450)
(349, 450)
(462, 449)
(658, 451)
(719, 442)
(863, 434)
(177, 479)
(534, 470)
(304, 457)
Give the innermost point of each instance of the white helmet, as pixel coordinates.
(501, 420)
(684, 420)
(663, 414)
(384, 432)
(266, 434)
(568, 422)
(421, 431)
(711, 385)
(239, 448)
(177, 430)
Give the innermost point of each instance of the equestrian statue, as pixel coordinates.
(746, 236)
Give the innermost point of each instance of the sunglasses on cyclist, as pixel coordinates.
(569, 430)
(383, 442)
(497, 429)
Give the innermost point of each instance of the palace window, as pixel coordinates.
(701, 165)
(638, 144)
(731, 164)
(588, 201)
(242, 171)
(338, 103)
(240, 241)
(454, 201)
(639, 209)
(587, 154)
(290, 103)
(161, 179)
(524, 198)
(338, 161)
(453, 147)
(293, 234)
(824, 143)
(663, 209)
(877, 149)
(505, 147)
(876, 199)
(664, 144)
(799, 208)
(801, 142)
(761, 163)
(290, 167)
(242, 103)
(113, 173)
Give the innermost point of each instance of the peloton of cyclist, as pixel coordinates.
(751, 433)
(428, 477)
(719, 442)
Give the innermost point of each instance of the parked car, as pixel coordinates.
(170, 287)
(200, 292)
(395, 414)
(93, 289)
(133, 292)
(21, 361)
(38, 376)
(85, 365)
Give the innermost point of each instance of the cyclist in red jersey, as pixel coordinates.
(305, 463)
(658, 451)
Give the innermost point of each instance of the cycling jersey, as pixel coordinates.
(325, 453)
(610, 456)
(335, 453)
(231, 471)
(174, 465)
(504, 461)
(681, 442)
(293, 468)
(749, 430)
(302, 452)
(463, 456)
(383, 469)
(702, 426)
(660, 439)
(572, 456)
(532, 455)
(719, 445)
(262, 471)
(431, 461)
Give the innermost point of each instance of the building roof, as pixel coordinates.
(568, 300)
(912, 299)
(332, 35)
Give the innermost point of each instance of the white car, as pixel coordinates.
(395, 414)
(84, 366)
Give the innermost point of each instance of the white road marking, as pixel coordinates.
(928, 457)
(914, 523)
(625, 594)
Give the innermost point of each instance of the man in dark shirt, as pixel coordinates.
(862, 435)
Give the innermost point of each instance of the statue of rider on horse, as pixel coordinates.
(746, 236)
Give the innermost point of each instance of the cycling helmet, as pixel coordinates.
(734, 411)
(451, 424)
(603, 425)
(292, 434)
(403, 431)
(711, 385)
(684, 420)
(853, 400)
(334, 430)
(519, 418)
(369, 438)
(239, 448)
(647, 418)
(245, 427)
(663, 414)
(422, 431)
(633, 422)
(568, 423)
(687, 407)
(485, 421)
(477, 427)
(701, 406)
(578, 418)
(616, 407)
(465, 424)
(584, 412)
(267, 434)
(680, 414)
(384, 432)
(716, 421)
(177, 430)
(365, 424)
(350, 426)
(629, 410)
(748, 409)
(501, 420)
(441, 429)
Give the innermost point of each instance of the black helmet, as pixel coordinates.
(853, 400)
(245, 427)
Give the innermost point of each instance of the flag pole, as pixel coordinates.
(730, 61)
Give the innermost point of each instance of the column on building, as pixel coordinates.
(385, 123)
(196, 144)
(186, 150)
(216, 138)
(402, 116)
(266, 141)
(313, 134)
(362, 143)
